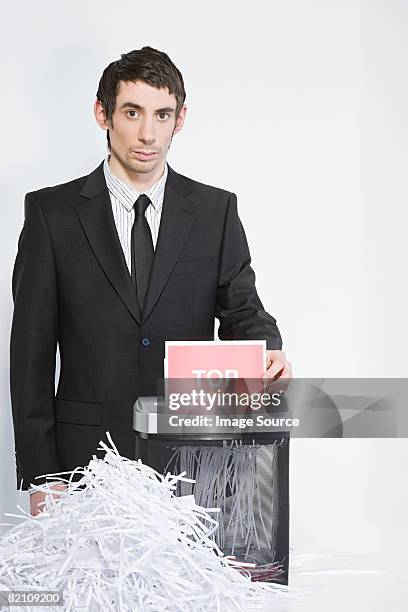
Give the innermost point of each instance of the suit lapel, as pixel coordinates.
(96, 217)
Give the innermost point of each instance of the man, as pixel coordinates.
(111, 265)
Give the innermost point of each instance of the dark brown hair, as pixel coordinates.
(147, 64)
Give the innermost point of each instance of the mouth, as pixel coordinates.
(145, 155)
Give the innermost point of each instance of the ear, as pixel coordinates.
(180, 119)
(100, 115)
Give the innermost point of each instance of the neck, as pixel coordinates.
(140, 181)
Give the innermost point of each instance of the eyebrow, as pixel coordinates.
(165, 109)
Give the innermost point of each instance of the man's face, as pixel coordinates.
(142, 126)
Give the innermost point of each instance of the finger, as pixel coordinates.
(287, 371)
(283, 382)
(35, 509)
(274, 356)
(283, 379)
(277, 366)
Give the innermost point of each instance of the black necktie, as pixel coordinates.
(142, 249)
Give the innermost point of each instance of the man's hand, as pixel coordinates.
(38, 496)
(277, 366)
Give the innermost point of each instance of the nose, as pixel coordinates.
(146, 131)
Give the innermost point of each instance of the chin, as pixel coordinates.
(139, 166)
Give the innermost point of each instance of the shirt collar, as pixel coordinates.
(127, 195)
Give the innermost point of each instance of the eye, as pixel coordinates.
(160, 115)
(130, 115)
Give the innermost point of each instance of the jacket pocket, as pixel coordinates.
(74, 411)
(193, 265)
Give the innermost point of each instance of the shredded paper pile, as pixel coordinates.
(119, 539)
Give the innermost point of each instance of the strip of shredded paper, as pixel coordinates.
(119, 539)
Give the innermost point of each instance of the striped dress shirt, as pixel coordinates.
(123, 197)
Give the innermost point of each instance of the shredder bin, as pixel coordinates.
(246, 475)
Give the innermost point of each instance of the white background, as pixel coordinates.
(300, 108)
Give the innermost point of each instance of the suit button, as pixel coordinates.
(146, 342)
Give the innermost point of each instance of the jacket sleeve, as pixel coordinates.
(238, 307)
(33, 343)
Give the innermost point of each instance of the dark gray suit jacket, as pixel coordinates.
(71, 286)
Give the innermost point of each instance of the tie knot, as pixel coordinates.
(141, 204)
